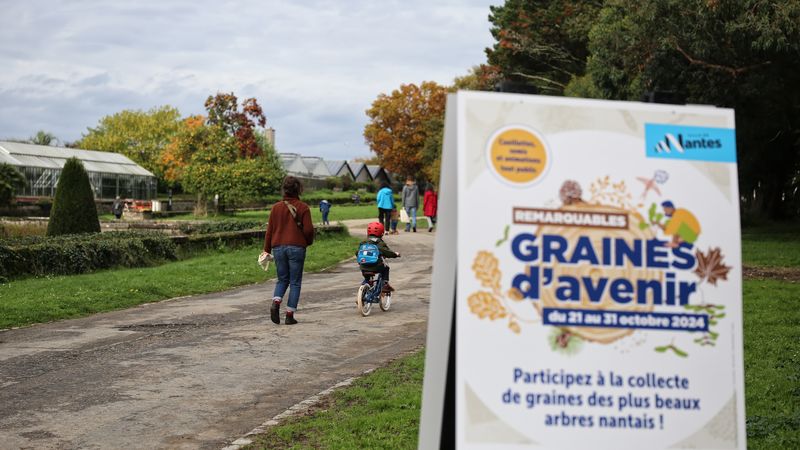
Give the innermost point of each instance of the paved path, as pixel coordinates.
(199, 372)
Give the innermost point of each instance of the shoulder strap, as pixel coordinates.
(293, 211)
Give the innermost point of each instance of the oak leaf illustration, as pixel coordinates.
(485, 305)
(486, 270)
(710, 266)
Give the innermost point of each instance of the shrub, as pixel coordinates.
(73, 210)
(222, 226)
(11, 180)
(81, 253)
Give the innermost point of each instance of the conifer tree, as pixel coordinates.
(73, 210)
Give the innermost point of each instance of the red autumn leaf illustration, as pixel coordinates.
(710, 266)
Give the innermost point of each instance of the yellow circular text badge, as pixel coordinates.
(517, 155)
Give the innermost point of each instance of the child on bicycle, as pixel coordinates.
(372, 251)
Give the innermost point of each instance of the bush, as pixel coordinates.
(222, 226)
(81, 253)
(73, 210)
(11, 180)
(312, 198)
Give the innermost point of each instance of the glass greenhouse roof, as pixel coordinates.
(30, 155)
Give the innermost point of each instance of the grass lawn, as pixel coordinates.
(776, 245)
(379, 411)
(772, 364)
(36, 300)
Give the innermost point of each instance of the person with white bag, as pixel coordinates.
(410, 204)
(289, 232)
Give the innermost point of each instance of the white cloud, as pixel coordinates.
(314, 66)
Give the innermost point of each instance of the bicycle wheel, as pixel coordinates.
(364, 306)
(386, 301)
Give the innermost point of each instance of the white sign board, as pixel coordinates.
(595, 247)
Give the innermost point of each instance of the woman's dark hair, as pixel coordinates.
(292, 187)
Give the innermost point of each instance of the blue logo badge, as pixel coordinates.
(692, 143)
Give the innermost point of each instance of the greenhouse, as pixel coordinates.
(111, 174)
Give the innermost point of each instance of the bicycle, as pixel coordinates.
(373, 290)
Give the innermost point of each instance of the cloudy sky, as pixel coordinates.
(314, 66)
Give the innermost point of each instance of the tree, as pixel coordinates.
(73, 210)
(479, 78)
(205, 159)
(542, 42)
(11, 180)
(43, 138)
(741, 55)
(142, 136)
(223, 110)
(398, 126)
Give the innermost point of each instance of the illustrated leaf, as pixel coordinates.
(710, 266)
(485, 305)
(679, 352)
(515, 294)
(504, 238)
(486, 270)
(642, 225)
(661, 349)
(514, 326)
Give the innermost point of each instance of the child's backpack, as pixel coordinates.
(368, 253)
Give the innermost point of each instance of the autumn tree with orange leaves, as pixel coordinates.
(400, 124)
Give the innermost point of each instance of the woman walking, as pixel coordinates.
(289, 232)
(385, 200)
(430, 205)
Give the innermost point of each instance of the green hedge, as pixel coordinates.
(313, 198)
(220, 226)
(80, 253)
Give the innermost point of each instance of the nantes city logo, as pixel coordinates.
(690, 143)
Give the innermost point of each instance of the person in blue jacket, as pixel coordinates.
(325, 209)
(385, 199)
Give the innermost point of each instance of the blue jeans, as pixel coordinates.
(289, 260)
(325, 217)
(412, 216)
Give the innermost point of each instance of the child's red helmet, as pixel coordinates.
(375, 229)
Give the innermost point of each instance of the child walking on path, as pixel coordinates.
(325, 209)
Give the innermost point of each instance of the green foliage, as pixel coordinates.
(741, 55)
(35, 300)
(223, 111)
(219, 226)
(43, 138)
(11, 180)
(73, 210)
(80, 253)
(543, 43)
(140, 135)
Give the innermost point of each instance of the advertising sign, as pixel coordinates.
(595, 267)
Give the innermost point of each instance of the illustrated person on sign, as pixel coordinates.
(289, 232)
(682, 225)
